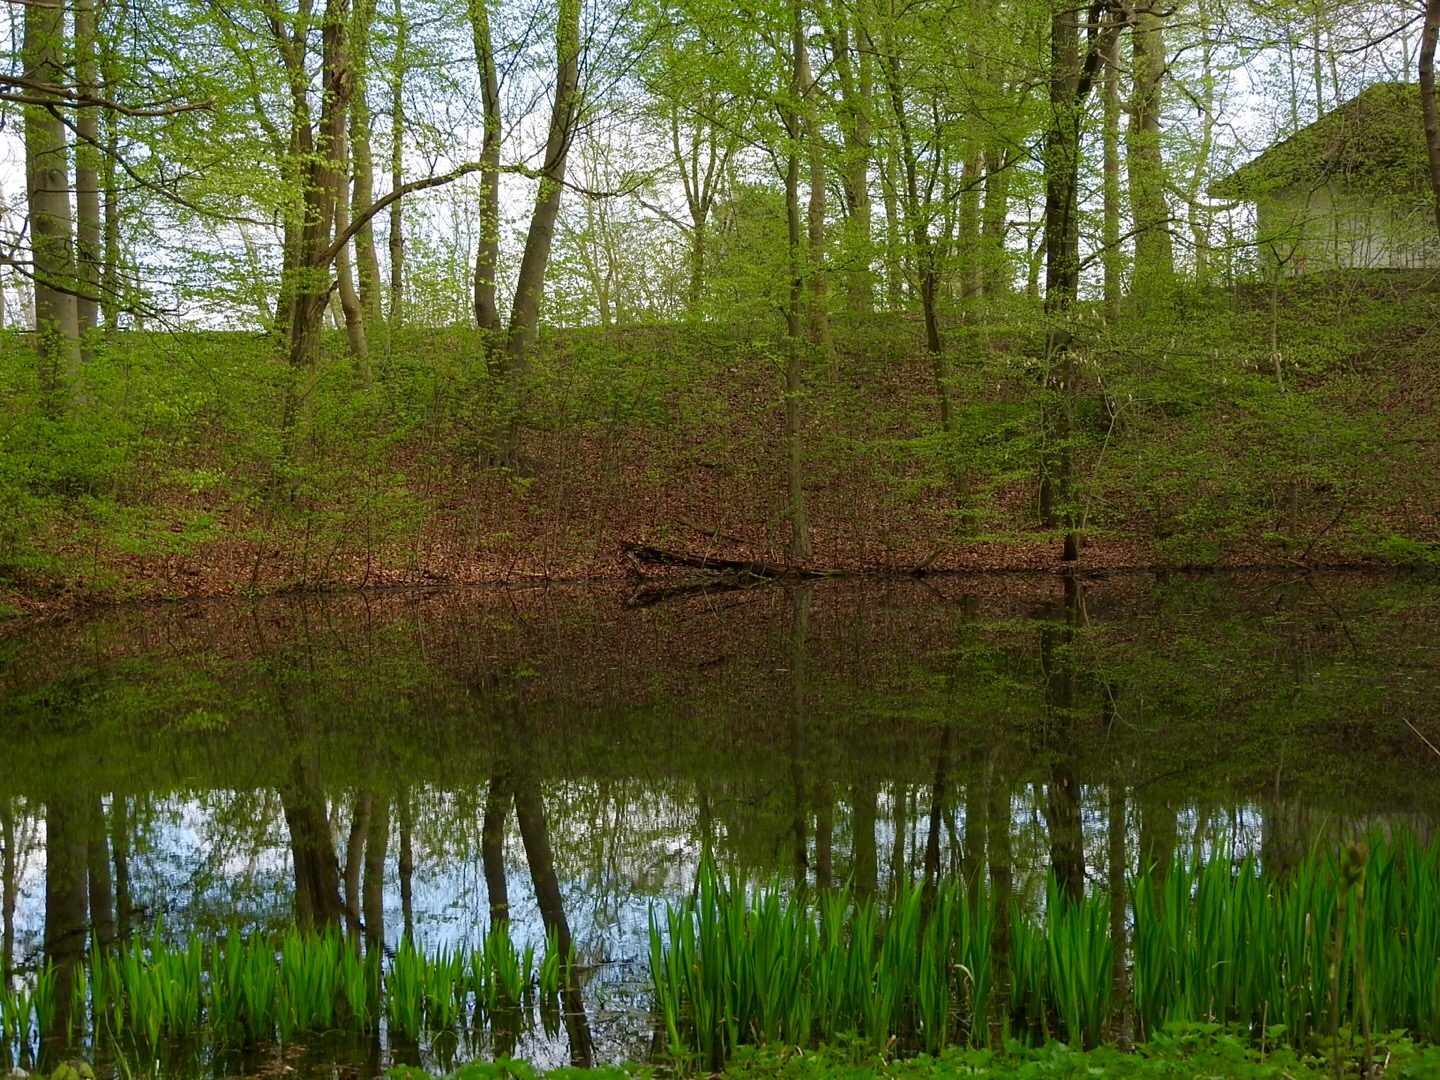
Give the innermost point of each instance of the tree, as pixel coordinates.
(1072, 76)
(1154, 255)
(509, 357)
(1426, 72)
(47, 174)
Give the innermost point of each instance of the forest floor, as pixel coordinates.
(671, 439)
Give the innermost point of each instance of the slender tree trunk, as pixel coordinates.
(487, 250)
(530, 282)
(995, 225)
(815, 274)
(57, 327)
(971, 264)
(350, 303)
(916, 206)
(1072, 76)
(367, 264)
(854, 73)
(397, 169)
(1427, 98)
(110, 299)
(1112, 259)
(88, 252)
(894, 231)
(800, 545)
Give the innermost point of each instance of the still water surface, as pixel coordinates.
(412, 763)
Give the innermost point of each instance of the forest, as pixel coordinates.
(957, 493)
(302, 296)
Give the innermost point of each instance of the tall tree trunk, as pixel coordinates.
(971, 265)
(88, 252)
(350, 304)
(854, 72)
(57, 326)
(1112, 258)
(487, 249)
(397, 170)
(1427, 98)
(1154, 256)
(110, 300)
(1072, 75)
(917, 202)
(701, 184)
(530, 282)
(894, 229)
(996, 271)
(800, 545)
(324, 180)
(815, 211)
(367, 264)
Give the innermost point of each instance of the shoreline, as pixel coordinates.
(31, 609)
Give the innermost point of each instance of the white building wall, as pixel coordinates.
(1303, 230)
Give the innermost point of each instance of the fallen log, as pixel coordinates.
(658, 556)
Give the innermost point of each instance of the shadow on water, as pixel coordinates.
(422, 766)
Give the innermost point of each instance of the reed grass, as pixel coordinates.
(1342, 944)
(260, 989)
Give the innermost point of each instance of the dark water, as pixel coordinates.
(194, 766)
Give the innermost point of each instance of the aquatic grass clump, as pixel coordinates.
(1342, 944)
(729, 968)
(25, 1010)
(1347, 941)
(239, 991)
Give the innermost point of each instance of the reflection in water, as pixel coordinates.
(356, 764)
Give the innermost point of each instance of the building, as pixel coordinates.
(1350, 191)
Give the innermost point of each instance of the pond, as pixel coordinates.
(410, 765)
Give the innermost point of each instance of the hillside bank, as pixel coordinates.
(1224, 428)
